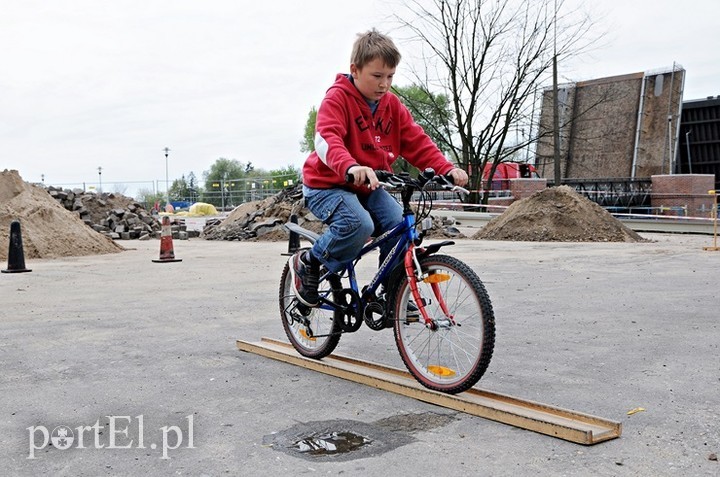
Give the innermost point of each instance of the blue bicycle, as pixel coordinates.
(441, 314)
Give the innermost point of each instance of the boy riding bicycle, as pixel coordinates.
(361, 127)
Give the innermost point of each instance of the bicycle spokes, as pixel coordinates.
(452, 349)
(312, 331)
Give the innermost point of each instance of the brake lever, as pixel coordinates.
(460, 190)
(447, 184)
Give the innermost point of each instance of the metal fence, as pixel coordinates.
(617, 194)
(224, 194)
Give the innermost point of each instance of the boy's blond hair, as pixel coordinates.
(372, 45)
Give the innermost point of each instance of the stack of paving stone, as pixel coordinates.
(262, 219)
(114, 215)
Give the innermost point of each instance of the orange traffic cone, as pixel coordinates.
(16, 256)
(167, 253)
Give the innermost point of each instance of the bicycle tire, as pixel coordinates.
(450, 358)
(319, 336)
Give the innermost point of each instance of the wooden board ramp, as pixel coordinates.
(553, 421)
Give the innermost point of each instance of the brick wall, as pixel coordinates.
(600, 136)
(673, 195)
(522, 188)
(689, 191)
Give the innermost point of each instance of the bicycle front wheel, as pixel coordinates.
(454, 354)
(313, 332)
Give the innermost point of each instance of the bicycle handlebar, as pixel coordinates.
(390, 179)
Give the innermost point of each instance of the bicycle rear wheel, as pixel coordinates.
(454, 355)
(312, 331)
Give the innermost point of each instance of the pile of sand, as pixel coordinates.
(557, 214)
(48, 230)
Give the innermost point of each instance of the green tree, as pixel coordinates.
(219, 178)
(185, 189)
(432, 112)
(179, 189)
(224, 169)
(148, 198)
(289, 174)
(194, 189)
(308, 142)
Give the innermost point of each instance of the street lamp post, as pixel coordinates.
(167, 183)
(99, 179)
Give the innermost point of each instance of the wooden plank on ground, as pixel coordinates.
(549, 420)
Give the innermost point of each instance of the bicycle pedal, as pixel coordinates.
(301, 309)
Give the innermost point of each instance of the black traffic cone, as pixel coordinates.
(16, 256)
(294, 241)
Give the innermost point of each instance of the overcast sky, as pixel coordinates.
(110, 83)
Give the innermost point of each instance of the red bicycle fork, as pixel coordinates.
(414, 273)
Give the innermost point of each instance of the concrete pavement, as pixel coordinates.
(126, 356)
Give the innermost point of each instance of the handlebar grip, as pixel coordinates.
(381, 175)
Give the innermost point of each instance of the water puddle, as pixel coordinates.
(344, 440)
(331, 443)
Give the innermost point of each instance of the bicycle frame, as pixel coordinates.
(405, 234)
(407, 238)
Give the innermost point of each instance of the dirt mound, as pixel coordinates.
(48, 230)
(557, 214)
(263, 220)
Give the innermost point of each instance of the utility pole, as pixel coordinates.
(687, 143)
(556, 105)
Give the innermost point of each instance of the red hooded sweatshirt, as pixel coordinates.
(348, 134)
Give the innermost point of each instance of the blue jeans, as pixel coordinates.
(352, 219)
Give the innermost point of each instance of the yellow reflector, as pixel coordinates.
(441, 371)
(437, 278)
(304, 334)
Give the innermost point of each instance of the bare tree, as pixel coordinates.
(490, 57)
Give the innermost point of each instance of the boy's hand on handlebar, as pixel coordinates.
(364, 175)
(459, 177)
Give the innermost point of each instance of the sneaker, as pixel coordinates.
(305, 279)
